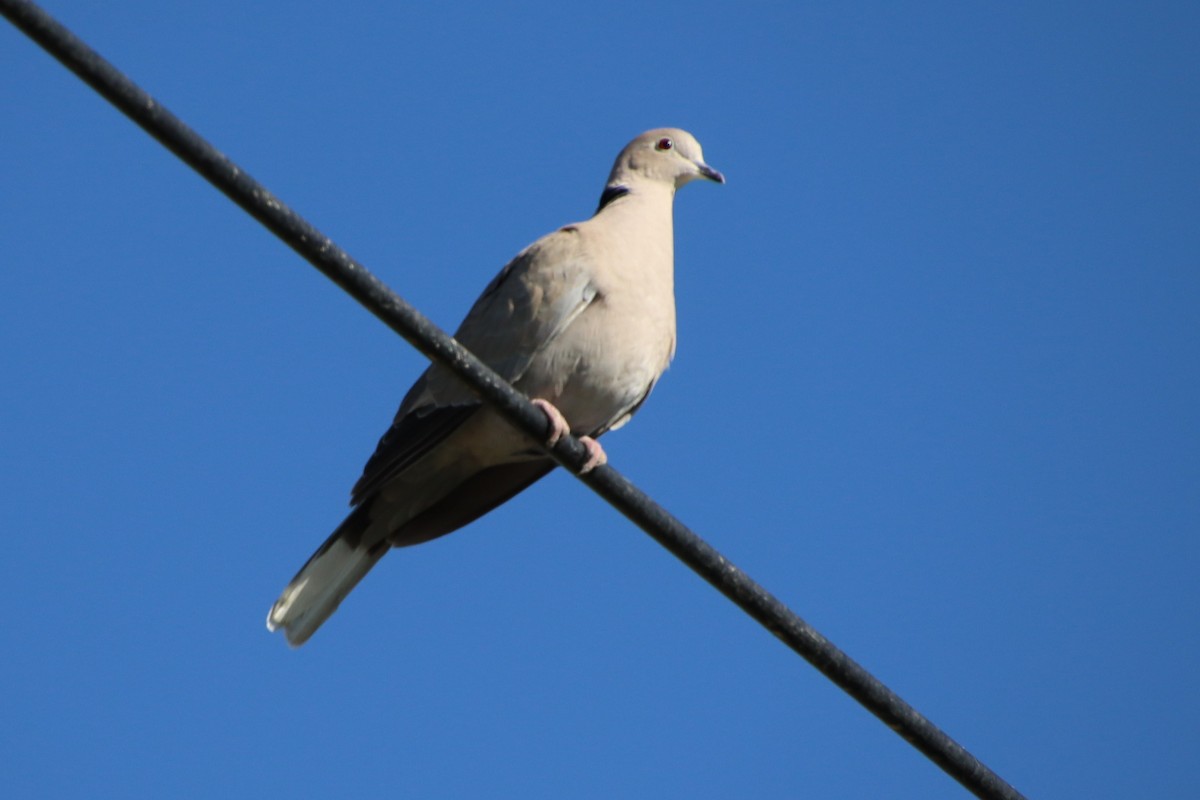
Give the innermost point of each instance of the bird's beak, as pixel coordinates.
(709, 172)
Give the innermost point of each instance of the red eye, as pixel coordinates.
(664, 143)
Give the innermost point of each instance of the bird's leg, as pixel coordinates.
(559, 428)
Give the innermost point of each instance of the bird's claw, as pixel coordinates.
(596, 455)
(559, 428)
(554, 418)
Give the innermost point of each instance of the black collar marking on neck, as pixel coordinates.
(611, 193)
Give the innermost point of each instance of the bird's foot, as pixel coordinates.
(559, 428)
(558, 423)
(596, 455)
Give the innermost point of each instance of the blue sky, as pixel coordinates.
(937, 388)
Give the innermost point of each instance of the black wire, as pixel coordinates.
(368, 290)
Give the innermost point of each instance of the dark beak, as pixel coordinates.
(710, 173)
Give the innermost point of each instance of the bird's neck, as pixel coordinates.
(637, 222)
(650, 200)
(612, 193)
(618, 188)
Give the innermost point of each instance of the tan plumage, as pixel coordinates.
(583, 318)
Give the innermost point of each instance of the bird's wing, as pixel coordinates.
(533, 300)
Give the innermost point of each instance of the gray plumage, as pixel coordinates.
(583, 318)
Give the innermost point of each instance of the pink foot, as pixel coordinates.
(558, 423)
(559, 428)
(596, 455)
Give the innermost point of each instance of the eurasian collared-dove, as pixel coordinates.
(582, 320)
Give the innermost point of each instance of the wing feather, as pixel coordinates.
(530, 302)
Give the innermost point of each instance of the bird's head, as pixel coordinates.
(667, 155)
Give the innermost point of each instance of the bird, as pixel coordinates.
(582, 321)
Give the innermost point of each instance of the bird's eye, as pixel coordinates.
(664, 143)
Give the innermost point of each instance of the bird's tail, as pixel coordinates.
(322, 583)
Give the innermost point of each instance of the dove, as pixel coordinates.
(582, 322)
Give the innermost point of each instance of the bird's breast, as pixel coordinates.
(608, 358)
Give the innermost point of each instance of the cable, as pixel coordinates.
(422, 334)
